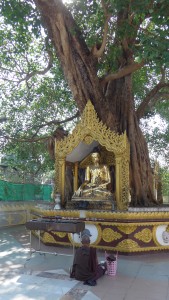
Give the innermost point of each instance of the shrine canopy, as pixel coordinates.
(81, 151)
(89, 133)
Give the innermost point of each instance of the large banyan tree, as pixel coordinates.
(103, 46)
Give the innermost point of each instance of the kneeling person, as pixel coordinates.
(85, 265)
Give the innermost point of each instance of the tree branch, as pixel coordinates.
(31, 74)
(29, 140)
(95, 51)
(42, 72)
(159, 96)
(123, 72)
(33, 138)
(56, 122)
(153, 94)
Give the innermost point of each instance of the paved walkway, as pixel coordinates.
(46, 277)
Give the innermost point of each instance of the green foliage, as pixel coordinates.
(32, 159)
(29, 104)
(165, 181)
(151, 38)
(22, 16)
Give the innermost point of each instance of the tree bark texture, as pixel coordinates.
(113, 103)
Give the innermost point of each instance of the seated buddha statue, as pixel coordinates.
(97, 179)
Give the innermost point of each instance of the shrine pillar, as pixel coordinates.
(75, 175)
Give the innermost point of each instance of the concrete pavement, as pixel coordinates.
(46, 277)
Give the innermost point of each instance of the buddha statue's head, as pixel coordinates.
(95, 157)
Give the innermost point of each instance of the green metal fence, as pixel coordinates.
(24, 192)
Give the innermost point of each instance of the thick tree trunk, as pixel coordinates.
(114, 104)
(121, 104)
(75, 58)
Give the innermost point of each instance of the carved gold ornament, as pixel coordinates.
(127, 229)
(127, 245)
(110, 235)
(144, 235)
(90, 126)
(48, 238)
(60, 234)
(88, 139)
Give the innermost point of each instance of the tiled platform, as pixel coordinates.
(143, 277)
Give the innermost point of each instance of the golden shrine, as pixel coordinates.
(75, 151)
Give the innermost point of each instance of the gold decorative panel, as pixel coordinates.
(144, 235)
(127, 229)
(47, 238)
(124, 182)
(127, 245)
(60, 234)
(90, 126)
(110, 235)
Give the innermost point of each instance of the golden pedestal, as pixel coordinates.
(128, 232)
